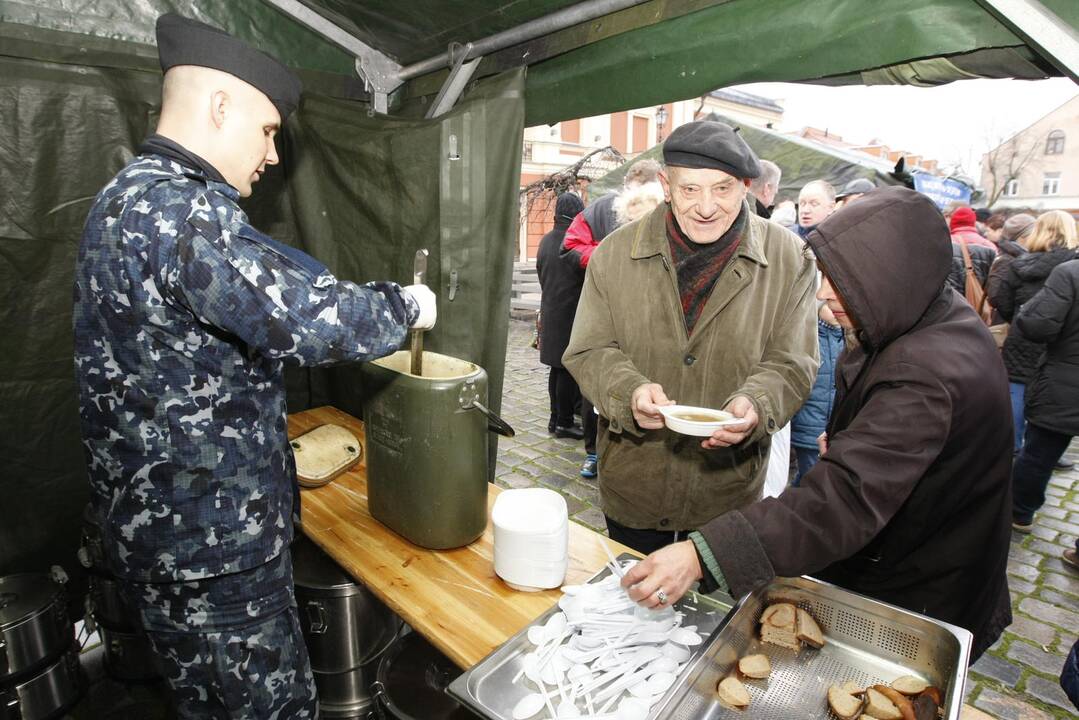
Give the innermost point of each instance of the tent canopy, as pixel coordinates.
(651, 52)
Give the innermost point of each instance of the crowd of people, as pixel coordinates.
(909, 374)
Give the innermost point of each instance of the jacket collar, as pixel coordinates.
(651, 237)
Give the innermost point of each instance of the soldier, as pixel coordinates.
(184, 317)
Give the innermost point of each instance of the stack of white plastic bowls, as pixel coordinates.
(531, 528)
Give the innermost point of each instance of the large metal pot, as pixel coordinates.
(412, 681)
(47, 694)
(343, 623)
(345, 695)
(34, 626)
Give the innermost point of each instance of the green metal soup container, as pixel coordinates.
(427, 448)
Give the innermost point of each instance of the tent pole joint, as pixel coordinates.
(461, 71)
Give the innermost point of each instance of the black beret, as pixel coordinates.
(711, 144)
(181, 41)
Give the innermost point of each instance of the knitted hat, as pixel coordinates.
(1017, 226)
(962, 217)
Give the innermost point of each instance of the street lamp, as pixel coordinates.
(661, 120)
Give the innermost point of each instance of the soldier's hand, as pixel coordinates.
(428, 310)
(645, 403)
(741, 407)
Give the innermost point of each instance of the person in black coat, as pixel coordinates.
(1052, 402)
(560, 286)
(1014, 282)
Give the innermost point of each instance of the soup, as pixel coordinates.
(698, 417)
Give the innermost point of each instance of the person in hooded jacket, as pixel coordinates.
(1051, 317)
(1052, 241)
(560, 289)
(910, 500)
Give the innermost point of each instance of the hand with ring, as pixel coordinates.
(663, 577)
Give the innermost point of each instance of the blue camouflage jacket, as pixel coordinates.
(184, 317)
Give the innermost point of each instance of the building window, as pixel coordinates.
(1051, 183)
(527, 154)
(1011, 188)
(1054, 144)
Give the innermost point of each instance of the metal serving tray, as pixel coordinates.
(866, 641)
(488, 688)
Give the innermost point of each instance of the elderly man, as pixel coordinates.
(910, 501)
(816, 201)
(702, 302)
(184, 317)
(764, 187)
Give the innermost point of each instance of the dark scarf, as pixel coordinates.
(161, 145)
(698, 265)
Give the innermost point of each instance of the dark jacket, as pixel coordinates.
(1009, 250)
(812, 419)
(560, 280)
(1052, 317)
(911, 503)
(981, 259)
(1021, 279)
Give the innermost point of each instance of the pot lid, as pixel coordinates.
(23, 595)
(313, 568)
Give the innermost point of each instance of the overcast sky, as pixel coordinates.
(953, 123)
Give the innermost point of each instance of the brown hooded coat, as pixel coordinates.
(911, 503)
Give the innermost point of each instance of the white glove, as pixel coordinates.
(426, 300)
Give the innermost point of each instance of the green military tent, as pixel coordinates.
(367, 177)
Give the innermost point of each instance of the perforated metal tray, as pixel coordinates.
(865, 641)
(488, 688)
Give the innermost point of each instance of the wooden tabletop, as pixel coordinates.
(451, 597)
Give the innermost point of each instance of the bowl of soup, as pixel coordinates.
(698, 421)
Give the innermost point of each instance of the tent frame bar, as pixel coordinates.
(382, 74)
(1040, 28)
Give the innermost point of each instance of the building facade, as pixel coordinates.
(1038, 167)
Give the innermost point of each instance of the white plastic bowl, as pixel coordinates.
(675, 418)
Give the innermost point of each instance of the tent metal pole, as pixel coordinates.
(559, 20)
(1040, 28)
(379, 71)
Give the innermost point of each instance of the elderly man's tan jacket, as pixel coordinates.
(757, 336)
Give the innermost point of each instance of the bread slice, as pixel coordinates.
(733, 692)
(909, 684)
(881, 707)
(755, 666)
(843, 703)
(779, 626)
(780, 614)
(808, 631)
(902, 702)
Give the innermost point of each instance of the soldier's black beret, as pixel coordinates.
(711, 144)
(182, 41)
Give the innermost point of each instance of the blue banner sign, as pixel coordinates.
(941, 191)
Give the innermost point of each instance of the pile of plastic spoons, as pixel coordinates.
(602, 656)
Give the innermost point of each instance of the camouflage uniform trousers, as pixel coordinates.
(230, 646)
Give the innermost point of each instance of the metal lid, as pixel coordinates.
(312, 568)
(24, 595)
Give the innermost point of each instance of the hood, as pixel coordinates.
(888, 256)
(1036, 266)
(1012, 248)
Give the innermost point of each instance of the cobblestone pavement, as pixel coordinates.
(1015, 680)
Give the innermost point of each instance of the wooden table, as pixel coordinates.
(451, 597)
